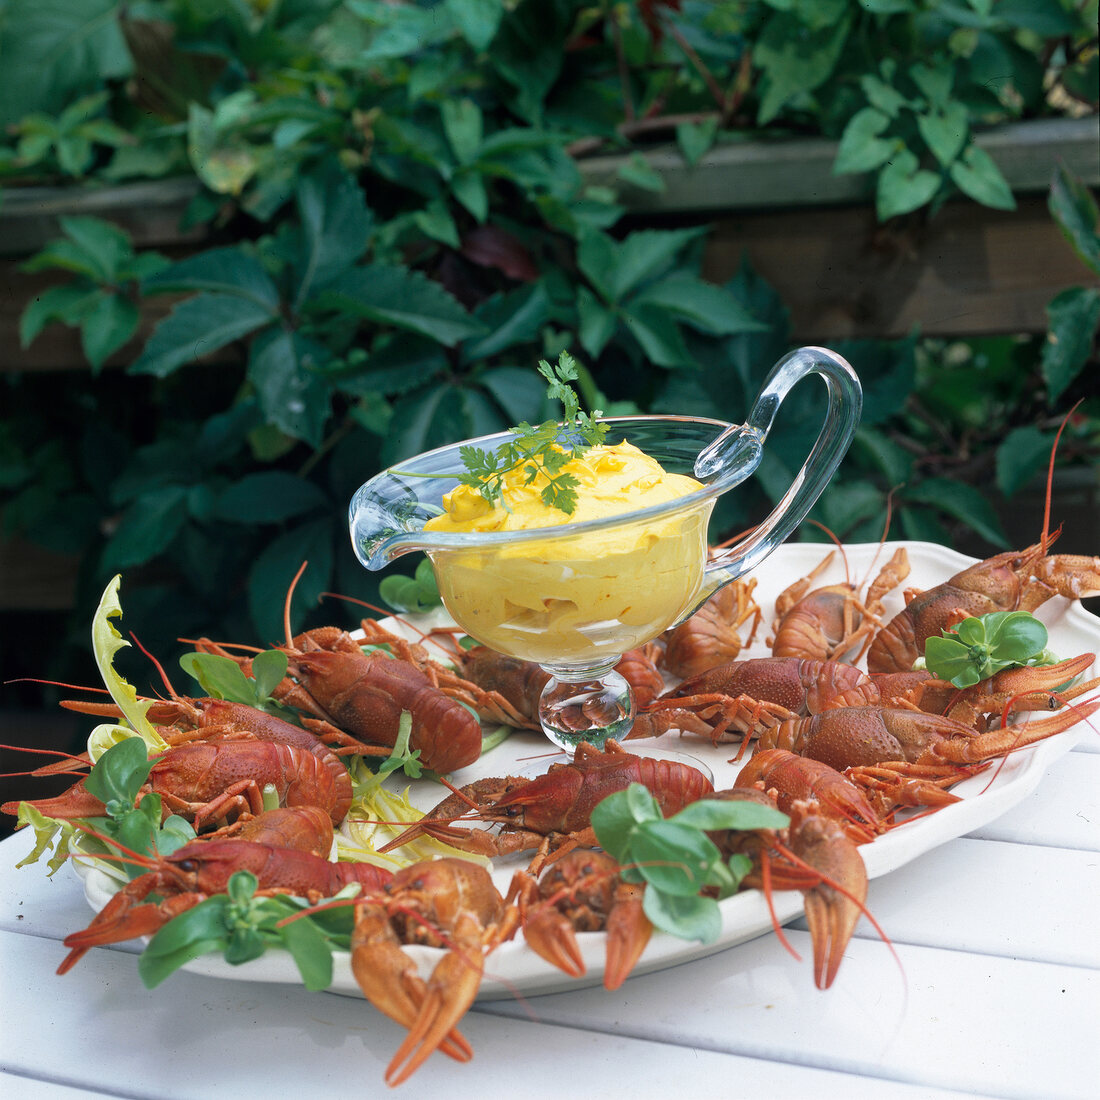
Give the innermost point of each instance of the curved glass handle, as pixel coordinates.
(740, 446)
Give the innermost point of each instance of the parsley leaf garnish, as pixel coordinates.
(543, 449)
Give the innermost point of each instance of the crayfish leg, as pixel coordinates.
(121, 920)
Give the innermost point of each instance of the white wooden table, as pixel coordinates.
(995, 991)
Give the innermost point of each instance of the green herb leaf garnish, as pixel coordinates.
(116, 780)
(543, 449)
(222, 678)
(413, 594)
(242, 926)
(675, 858)
(983, 645)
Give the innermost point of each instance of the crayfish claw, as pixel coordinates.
(628, 932)
(551, 936)
(450, 992)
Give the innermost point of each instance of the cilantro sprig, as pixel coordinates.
(544, 449)
(983, 645)
(675, 858)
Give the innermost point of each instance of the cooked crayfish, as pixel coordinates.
(211, 781)
(741, 698)
(814, 855)
(1038, 687)
(582, 892)
(905, 756)
(1015, 581)
(554, 809)
(828, 623)
(792, 778)
(363, 695)
(711, 636)
(509, 688)
(203, 868)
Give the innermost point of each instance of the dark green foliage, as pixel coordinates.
(398, 233)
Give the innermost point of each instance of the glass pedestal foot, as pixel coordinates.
(593, 704)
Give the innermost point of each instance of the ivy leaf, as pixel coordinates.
(1020, 456)
(462, 123)
(658, 335)
(1074, 209)
(945, 132)
(105, 244)
(270, 496)
(978, 176)
(274, 569)
(703, 306)
(199, 326)
(108, 323)
(147, 527)
(861, 149)
(638, 172)
(54, 50)
(597, 322)
(696, 139)
(478, 20)
(510, 319)
(233, 271)
(283, 366)
(904, 186)
(882, 95)
(962, 502)
(400, 297)
(468, 186)
(795, 59)
(335, 227)
(1073, 317)
(420, 420)
(68, 303)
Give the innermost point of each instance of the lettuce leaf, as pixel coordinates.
(106, 642)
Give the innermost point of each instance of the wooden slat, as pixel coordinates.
(970, 271)
(206, 1039)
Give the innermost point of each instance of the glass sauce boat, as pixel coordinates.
(575, 597)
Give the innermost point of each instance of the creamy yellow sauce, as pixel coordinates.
(570, 598)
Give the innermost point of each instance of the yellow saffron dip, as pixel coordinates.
(573, 598)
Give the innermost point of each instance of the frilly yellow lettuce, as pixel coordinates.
(106, 642)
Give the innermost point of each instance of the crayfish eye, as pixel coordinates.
(189, 865)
